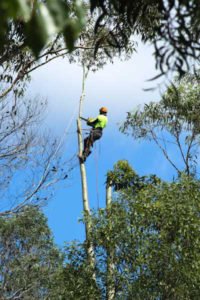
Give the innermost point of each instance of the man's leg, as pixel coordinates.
(87, 144)
(89, 141)
(97, 134)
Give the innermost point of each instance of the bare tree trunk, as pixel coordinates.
(110, 292)
(108, 195)
(86, 208)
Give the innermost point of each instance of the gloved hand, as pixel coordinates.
(89, 121)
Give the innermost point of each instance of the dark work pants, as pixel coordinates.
(95, 134)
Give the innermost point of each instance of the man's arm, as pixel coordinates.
(92, 122)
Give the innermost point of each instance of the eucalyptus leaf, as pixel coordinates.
(23, 10)
(59, 11)
(40, 29)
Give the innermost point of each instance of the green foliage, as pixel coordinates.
(177, 116)
(41, 21)
(171, 26)
(74, 281)
(18, 62)
(151, 236)
(29, 259)
(121, 175)
(124, 177)
(177, 110)
(154, 234)
(85, 53)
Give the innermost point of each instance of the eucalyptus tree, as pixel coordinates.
(153, 227)
(174, 120)
(172, 27)
(29, 259)
(18, 62)
(90, 62)
(37, 24)
(153, 230)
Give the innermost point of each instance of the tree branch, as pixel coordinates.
(163, 150)
(177, 137)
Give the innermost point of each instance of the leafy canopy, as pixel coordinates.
(151, 233)
(39, 21)
(172, 27)
(174, 120)
(29, 259)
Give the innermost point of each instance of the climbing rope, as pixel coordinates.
(97, 177)
(62, 139)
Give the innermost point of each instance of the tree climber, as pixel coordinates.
(97, 124)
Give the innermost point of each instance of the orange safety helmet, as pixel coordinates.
(103, 110)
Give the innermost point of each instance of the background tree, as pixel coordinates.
(29, 259)
(17, 62)
(30, 160)
(172, 121)
(153, 229)
(75, 280)
(16, 59)
(171, 26)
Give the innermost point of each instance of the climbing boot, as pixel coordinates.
(89, 152)
(81, 157)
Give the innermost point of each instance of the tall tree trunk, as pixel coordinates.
(110, 284)
(86, 207)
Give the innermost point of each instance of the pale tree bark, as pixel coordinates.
(108, 195)
(110, 284)
(86, 207)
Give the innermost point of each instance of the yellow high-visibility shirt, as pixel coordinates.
(100, 122)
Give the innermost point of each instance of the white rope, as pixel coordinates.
(62, 138)
(97, 174)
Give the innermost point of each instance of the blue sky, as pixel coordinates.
(119, 87)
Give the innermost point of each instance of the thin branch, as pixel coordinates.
(166, 141)
(163, 151)
(5, 92)
(44, 63)
(19, 293)
(18, 207)
(24, 71)
(9, 56)
(177, 137)
(190, 146)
